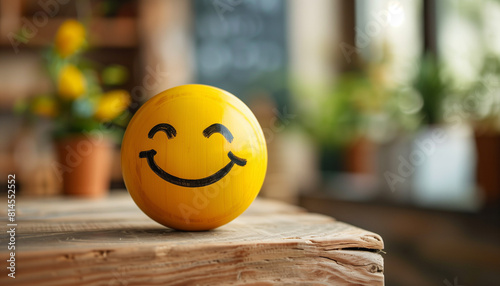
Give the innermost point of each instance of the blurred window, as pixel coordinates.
(467, 32)
(390, 31)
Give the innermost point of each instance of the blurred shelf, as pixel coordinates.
(42, 19)
(101, 8)
(423, 245)
(488, 214)
(118, 32)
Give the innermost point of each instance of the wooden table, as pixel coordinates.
(62, 241)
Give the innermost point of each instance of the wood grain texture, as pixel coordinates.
(64, 241)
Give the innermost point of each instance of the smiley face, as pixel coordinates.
(193, 157)
(192, 183)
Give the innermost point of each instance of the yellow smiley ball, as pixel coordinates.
(193, 157)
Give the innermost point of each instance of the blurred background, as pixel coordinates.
(383, 114)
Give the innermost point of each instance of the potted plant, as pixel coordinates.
(356, 112)
(482, 107)
(442, 158)
(83, 114)
(351, 124)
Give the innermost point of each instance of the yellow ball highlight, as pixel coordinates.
(194, 157)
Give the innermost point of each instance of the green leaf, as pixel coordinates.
(114, 75)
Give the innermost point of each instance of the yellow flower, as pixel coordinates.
(69, 38)
(45, 106)
(71, 84)
(111, 104)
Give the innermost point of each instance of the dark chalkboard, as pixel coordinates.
(241, 46)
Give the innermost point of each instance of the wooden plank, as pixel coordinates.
(63, 241)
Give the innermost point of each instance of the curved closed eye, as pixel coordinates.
(218, 128)
(167, 128)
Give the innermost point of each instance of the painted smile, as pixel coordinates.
(191, 183)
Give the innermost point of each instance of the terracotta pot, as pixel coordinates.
(85, 165)
(360, 157)
(488, 164)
